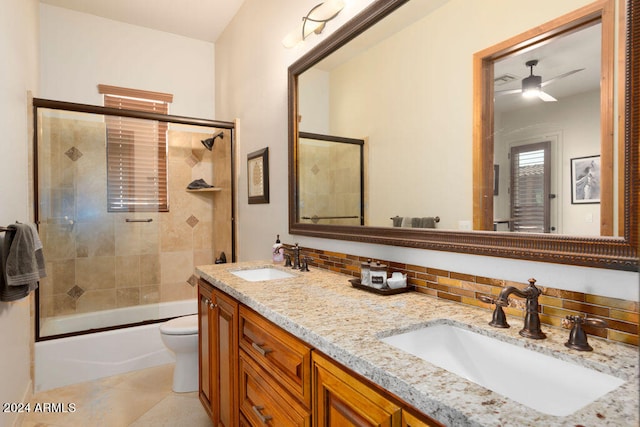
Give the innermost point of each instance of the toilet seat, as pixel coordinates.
(185, 325)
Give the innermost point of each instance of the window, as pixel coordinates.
(530, 184)
(136, 152)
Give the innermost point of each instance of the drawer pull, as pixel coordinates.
(262, 351)
(264, 418)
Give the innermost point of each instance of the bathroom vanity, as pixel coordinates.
(307, 349)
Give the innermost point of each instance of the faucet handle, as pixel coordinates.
(304, 265)
(487, 299)
(577, 336)
(498, 320)
(287, 260)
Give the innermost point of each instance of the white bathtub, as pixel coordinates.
(80, 358)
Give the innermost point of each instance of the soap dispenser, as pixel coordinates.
(278, 250)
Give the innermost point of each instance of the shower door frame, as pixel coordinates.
(107, 111)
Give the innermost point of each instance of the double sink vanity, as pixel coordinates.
(284, 347)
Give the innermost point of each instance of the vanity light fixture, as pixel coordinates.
(314, 21)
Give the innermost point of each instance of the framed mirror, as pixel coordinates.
(417, 82)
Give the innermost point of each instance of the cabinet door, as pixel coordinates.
(264, 402)
(225, 372)
(342, 400)
(205, 320)
(410, 420)
(284, 356)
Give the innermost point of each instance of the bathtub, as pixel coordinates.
(80, 358)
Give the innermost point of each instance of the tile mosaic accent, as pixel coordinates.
(193, 280)
(73, 153)
(192, 160)
(75, 292)
(192, 221)
(315, 169)
(621, 316)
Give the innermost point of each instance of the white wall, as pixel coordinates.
(80, 51)
(18, 53)
(251, 82)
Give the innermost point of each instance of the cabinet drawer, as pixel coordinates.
(263, 402)
(281, 354)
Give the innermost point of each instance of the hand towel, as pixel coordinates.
(397, 221)
(406, 222)
(25, 261)
(9, 293)
(415, 222)
(428, 222)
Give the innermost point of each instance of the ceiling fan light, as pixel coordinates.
(531, 86)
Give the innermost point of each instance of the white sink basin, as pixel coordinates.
(541, 382)
(261, 274)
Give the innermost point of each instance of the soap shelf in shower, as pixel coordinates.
(205, 190)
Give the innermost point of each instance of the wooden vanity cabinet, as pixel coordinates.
(281, 354)
(341, 399)
(413, 420)
(264, 402)
(254, 373)
(218, 355)
(275, 377)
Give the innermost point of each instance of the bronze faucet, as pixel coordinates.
(531, 327)
(299, 263)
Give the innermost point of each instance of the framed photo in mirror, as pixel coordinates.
(585, 180)
(258, 176)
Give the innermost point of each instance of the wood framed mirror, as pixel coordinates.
(615, 248)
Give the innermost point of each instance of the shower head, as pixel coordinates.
(208, 143)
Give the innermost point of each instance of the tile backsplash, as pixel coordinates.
(555, 304)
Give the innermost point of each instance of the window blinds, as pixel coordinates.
(136, 152)
(530, 188)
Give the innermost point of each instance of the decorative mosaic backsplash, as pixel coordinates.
(555, 304)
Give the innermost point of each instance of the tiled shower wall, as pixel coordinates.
(555, 304)
(330, 182)
(96, 260)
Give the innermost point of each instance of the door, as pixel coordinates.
(530, 188)
(225, 371)
(204, 345)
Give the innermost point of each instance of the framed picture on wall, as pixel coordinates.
(585, 180)
(258, 176)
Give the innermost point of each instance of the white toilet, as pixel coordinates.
(180, 335)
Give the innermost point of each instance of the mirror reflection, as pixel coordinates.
(331, 179)
(405, 87)
(536, 135)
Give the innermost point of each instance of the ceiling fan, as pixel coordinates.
(532, 85)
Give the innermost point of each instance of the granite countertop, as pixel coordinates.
(321, 308)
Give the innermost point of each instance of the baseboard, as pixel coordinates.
(26, 398)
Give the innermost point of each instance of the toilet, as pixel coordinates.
(180, 335)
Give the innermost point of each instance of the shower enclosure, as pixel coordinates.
(331, 179)
(109, 268)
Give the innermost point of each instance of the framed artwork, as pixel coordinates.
(258, 176)
(585, 180)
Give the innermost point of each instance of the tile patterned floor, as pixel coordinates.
(135, 399)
